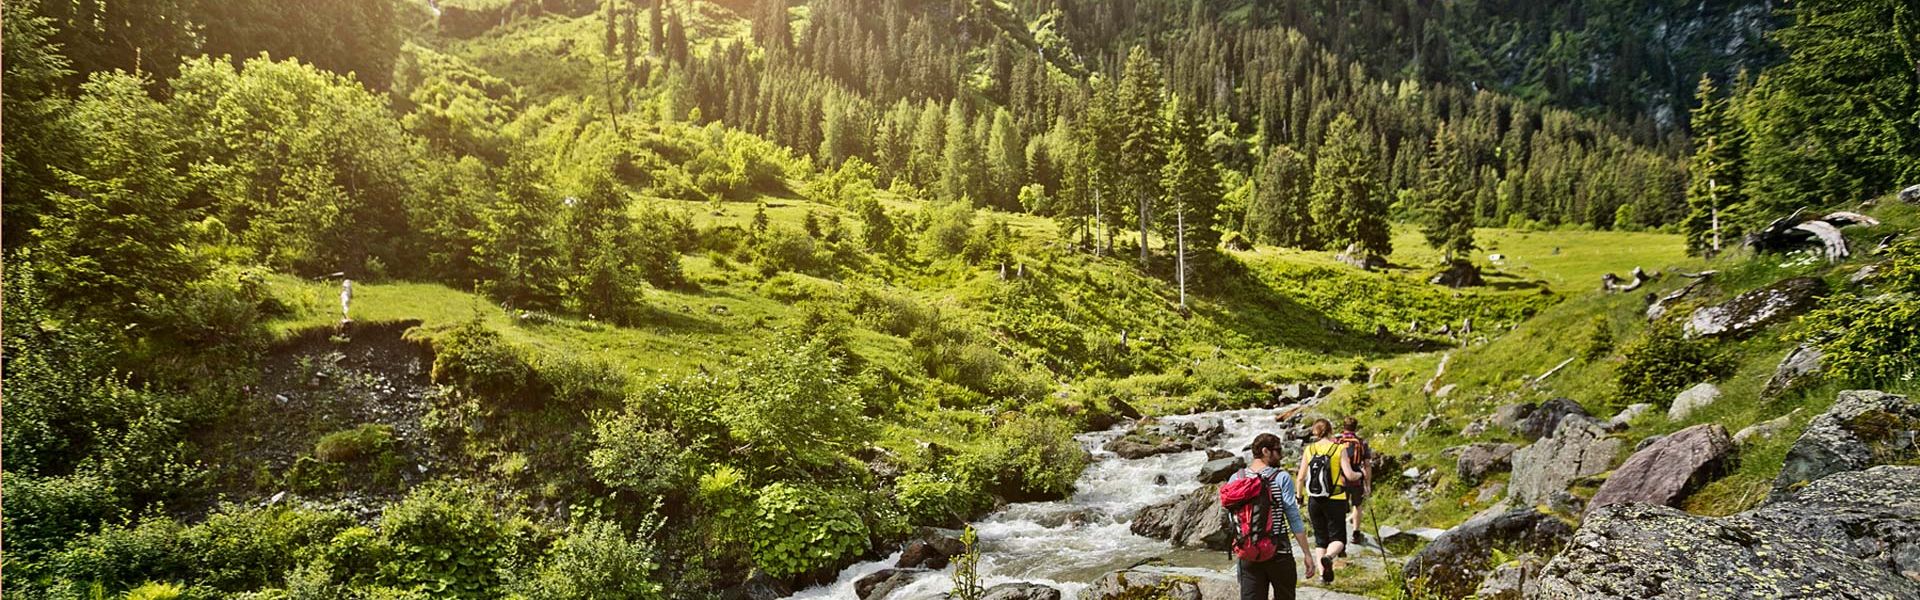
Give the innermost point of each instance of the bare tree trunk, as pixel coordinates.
(1143, 231)
(1180, 233)
(1098, 221)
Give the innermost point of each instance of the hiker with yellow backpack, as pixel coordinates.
(1323, 469)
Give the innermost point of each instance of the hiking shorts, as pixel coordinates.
(1356, 495)
(1329, 519)
(1275, 575)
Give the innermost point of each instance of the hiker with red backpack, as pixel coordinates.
(1322, 469)
(1359, 481)
(1262, 511)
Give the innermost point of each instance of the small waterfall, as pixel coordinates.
(1067, 544)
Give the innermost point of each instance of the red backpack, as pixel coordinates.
(1249, 504)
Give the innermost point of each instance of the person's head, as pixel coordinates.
(1266, 449)
(1350, 425)
(1321, 428)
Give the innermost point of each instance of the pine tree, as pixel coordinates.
(1713, 173)
(1193, 189)
(924, 165)
(1348, 203)
(958, 178)
(518, 247)
(1279, 213)
(1006, 161)
(1445, 199)
(1141, 154)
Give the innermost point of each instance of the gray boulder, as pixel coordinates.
(1852, 535)
(1911, 195)
(1508, 416)
(1863, 428)
(930, 549)
(1476, 461)
(759, 586)
(1509, 581)
(1699, 396)
(1580, 447)
(1755, 309)
(1021, 591)
(1664, 472)
(1625, 417)
(876, 585)
(1195, 520)
(1762, 430)
(1801, 365)
(1218, 470)
(1455, 564)
(1139, 445)
(1542, 421)
(1141, 583)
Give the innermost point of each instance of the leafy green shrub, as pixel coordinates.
(348, 445)
(119, 557)
(803, 529)
(478, 360)
(948, 229)
(797, 402)
(1874, 340)
(631, 455)
(726, 505)
(781, 249)
(936, 499)
(1663, 362)
(43, 514)
(241, 548)
(154, 590)
(598, 561)
(447, 542)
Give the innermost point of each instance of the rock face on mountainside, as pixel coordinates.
(1861, 429)
(1474, 462)
(1195, 520)
(1851, 535)
(1756, 309)
(1578, 448)
(1457, 562)
(1663, 472)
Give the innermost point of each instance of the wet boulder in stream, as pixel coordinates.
(930, 549)
(1218, 470)
(1141, 444)
(876, 585)
(1195, 520)
(1021, 591)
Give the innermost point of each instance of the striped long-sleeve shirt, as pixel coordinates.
(1285, 501)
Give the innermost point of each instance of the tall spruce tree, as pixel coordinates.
(1193, 190)
(1279, 213)
(1141, 155)
(1349, 204)
(1447, 201)
(1714, 172)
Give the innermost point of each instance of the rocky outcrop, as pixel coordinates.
(1699, 396)
(1509, 581)
(1459, 273)
(1219, 469)
(1664, 472)
(1541, 422)
(1911, 195)
(1456, 563)
(1195, 520)
(1756, 309)
(1021, 591)
(1800, 366)
(1861, 429)
(1853, 535)
(1578, 448)
(1475, 461)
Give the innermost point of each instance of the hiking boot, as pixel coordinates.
(1326, 570)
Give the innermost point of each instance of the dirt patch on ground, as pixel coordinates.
(360, 377)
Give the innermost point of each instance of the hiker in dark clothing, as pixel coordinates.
(1359, 482)
(1275, 574)
(1322, 468)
